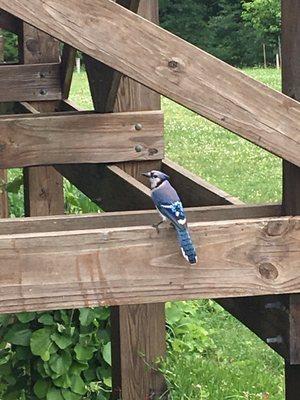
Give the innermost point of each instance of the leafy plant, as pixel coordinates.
(59, 355)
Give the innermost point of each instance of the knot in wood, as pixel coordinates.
(152, 152)
(277, 228)
(173, 64)
(32, 45)
(268, 271)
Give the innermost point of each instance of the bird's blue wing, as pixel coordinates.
(174, 212)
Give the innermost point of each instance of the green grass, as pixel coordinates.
(211, 355)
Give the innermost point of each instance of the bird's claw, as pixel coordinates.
(156, 226)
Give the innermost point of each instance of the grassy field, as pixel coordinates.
(211, 355)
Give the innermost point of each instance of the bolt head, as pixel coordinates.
(138, 148)
(138, 127)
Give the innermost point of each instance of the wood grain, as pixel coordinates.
(88, 138)
(43, 186)
(30, 82)
(68, 59)
(131, 218)
(175, 69)
(291, 186)
(86, 268)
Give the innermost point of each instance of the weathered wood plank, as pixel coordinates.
(176, 69)
(132, 218)
(43, 186)
(67, 68)
(291, 186)
(86, 268)
(87, 138)
(30, 82)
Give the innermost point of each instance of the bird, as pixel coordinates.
(169, 206)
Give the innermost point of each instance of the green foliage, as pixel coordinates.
(264, 16)
(11, 46)
(58, 355)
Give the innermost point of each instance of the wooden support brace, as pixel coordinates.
(78, 268)
(82, 138)
(43, 186)
(30, 82)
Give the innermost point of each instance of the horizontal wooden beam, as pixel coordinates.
(132, 218)
(135, 265)
(172, 67)
(9, 23)
(30, 82)
(82, 138)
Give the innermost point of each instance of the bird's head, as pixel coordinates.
(156, 178)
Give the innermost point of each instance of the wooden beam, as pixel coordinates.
(87, 138)
(30, 82)
(291, 186)
(10, 23)
(55, 270)
(193, 190)
(175, 69)
(67, 68)
(43, 186)
(132, 218)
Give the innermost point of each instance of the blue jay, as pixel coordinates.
(170, 208)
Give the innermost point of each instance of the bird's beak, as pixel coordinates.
(146, 174)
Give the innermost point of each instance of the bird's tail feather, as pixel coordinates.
(186, 244)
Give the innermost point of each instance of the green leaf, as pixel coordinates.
(62, 341)
(54, 394)
(46, 319)
(63, 381)
(15, 185)
(102, 313)
(86, 316)
(68, 395)
(60, 363)
(18, 335)
(106, 353)
(25, 317)
(84, 353)
(41, 388)
(77, 367)
(40, 343)
(77, 385)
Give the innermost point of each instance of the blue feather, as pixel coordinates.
(169, 205)
(186, 244)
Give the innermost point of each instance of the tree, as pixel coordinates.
(265, 17)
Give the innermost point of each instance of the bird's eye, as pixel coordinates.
(155, 176)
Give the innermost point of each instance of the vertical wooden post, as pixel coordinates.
(291, 178)
(43, 186)
(138, 332)
(4, 212)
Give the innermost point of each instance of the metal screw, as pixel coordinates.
(172, 64)
(43, 92)
(274, 340)
(138, 148)
(138, 127)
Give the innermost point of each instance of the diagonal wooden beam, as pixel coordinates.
(171, 67)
